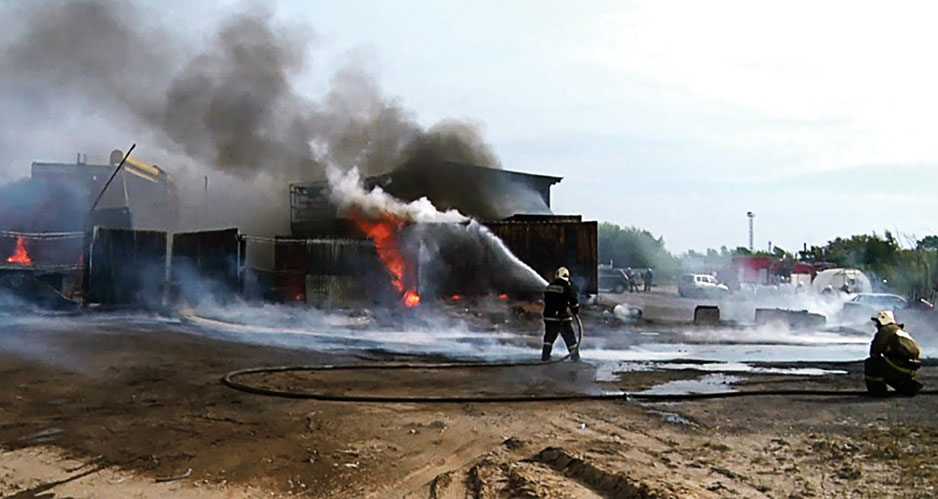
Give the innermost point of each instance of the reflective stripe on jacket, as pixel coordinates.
(902, 365)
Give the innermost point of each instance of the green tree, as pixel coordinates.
(636, 248)
(928, 243)
(781, 253)
(911, 271)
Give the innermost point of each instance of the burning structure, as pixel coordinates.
(433, 256)
(230, 104)
(353, 241)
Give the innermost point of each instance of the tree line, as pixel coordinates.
(636, 248)
(907, 266)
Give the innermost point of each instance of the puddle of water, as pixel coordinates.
(734, 353)
(738, 367)
(710, 383)
(610, 372)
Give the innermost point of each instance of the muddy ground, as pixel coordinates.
(134, 408)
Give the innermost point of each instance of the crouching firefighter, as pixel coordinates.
(894, 358)
(559, 303)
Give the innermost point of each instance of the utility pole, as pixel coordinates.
(751, 216)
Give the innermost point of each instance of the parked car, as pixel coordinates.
(614, 280)
(701, 286)
(862, 306)
(873, 302)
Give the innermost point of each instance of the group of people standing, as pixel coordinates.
(648, 278)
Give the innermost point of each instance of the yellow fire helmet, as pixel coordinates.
(562, 273)
(884, 317)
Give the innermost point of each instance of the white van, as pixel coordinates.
(701, 286)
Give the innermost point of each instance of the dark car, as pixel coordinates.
(614, 280)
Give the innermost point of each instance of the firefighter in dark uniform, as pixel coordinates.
(894, 358)
(559, 303)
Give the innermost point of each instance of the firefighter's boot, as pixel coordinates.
(575, 353)
(873, 374)
(545, 352)
(910, 387)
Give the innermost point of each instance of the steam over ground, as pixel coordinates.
(92, 76)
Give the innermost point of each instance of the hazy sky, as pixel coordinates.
(677, 117)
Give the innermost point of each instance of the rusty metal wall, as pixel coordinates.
(290, 269)
(343, 272)
(341, 256)
(327, 271)
(546, 245)
(337, 290)
(205, 262)
(127, 267)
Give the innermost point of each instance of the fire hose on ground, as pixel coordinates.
(231, 381)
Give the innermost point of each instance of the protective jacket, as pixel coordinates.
(893, 342)
(894, 361)
(558, 297)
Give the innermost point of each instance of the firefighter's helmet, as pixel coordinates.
(562, 273)
(884, 317)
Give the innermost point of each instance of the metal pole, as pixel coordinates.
(89, 238)
(751, 216)
(106, 184)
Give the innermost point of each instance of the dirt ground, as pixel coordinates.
(137, 410)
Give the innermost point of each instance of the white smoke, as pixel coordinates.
(741, 306)
(347, 193)
(441, 234)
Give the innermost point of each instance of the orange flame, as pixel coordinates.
(411, 299)
(503, 296)
(20, 255)
(384, 233)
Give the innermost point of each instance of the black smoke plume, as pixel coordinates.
(228, 104)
